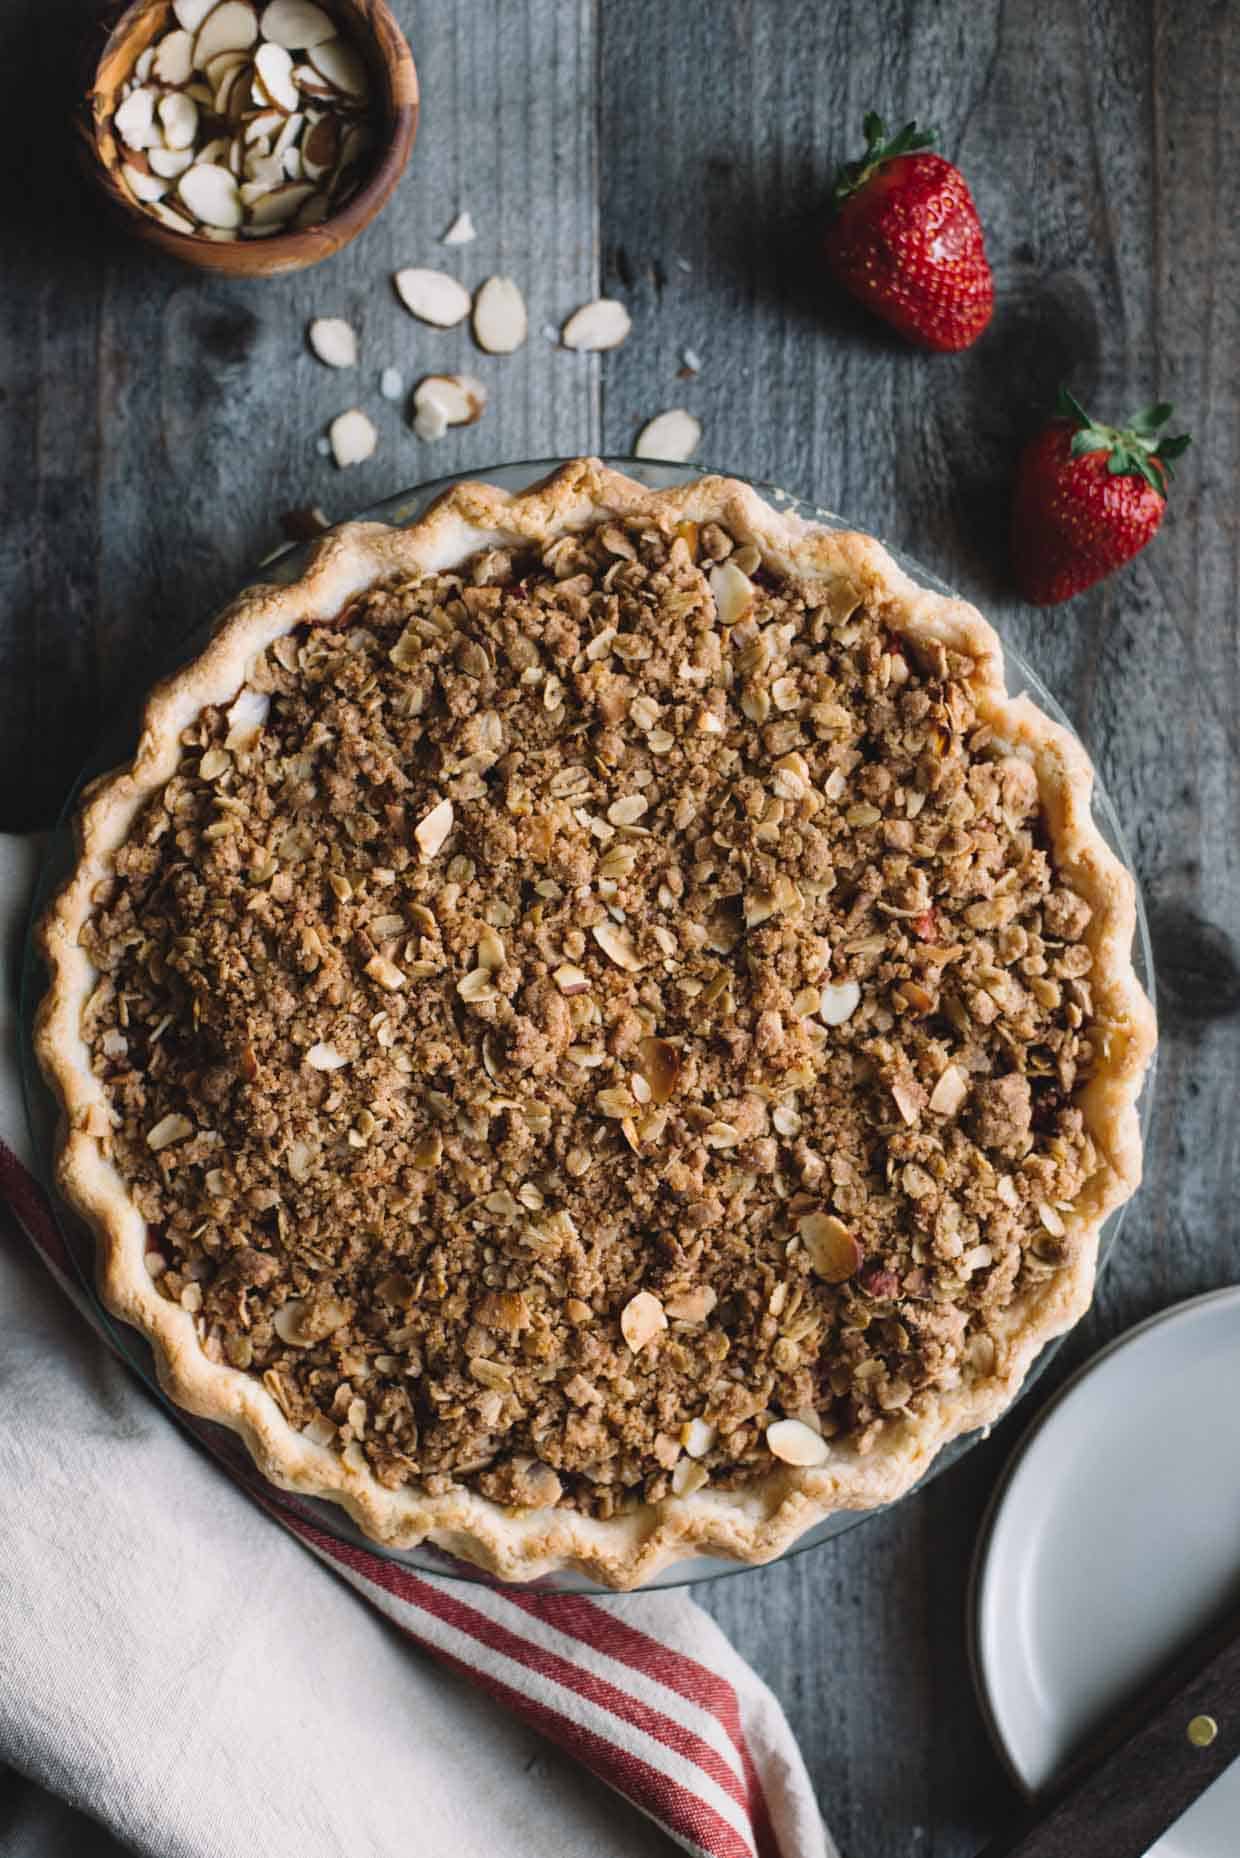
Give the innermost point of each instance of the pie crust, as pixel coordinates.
(755, 1520)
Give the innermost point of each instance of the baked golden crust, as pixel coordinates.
(755, 1521)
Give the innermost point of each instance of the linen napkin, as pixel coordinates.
(174, 1663)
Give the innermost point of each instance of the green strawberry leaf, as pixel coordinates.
(1133, 450)
(853, 175)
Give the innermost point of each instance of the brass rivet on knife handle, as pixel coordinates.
(1201, 1731)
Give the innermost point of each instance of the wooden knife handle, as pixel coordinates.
(1146, 1771)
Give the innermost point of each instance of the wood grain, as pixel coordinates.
(153, 426)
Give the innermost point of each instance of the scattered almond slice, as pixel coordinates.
(274, 69)
(134, 122)
(673, 436)
(793, 1442)
(323, 1057)
(173, 62)
(342, 66)
(431, 831)
(432, 296)
(147, 188)
(334, 341)
(460, 232)
(230, 27)
(617, 944)
(353, 437)
(169, 162)
(178, 117)
(832, 1250)
(292, 128)
(605, 323)
(167, 1130)
(246, 716)
(221, 66)
(266, 127)
(698, 1437)
(211, 195)
(443, 400)
(296, 24)
(838, 1004)
(500, 321)
(641, 1320)
(391, 383)
(142, 69)
(733, 593)
(191, 13)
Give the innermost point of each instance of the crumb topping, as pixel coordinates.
(589, 1025)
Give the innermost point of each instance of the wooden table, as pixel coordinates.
(154, 426)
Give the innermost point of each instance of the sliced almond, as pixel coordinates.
(222, 66)
(617, 944)
(191, 13)
(324, 1057)
(433, 297)
(501, 324)
(169, 162)
(211, 195)
(264, 175)
(175, 222)
(273, 67)
(144, 187)
(289, 132)
(178, 118)
(660, 1066)
(334, 341)
(602, 324)
(229, 27)
(342, 65)
(280, 204)
(213, 153)
(733, 592)
(431, 831)
(296, 24)
(142, 69)
(353, 437)
(793, 1442)
(391, 383)
(950, 1091)
(173, 62)
(832, 1250)
(838, 1004)
(460, 232)
(698, 1437)
(314, 211)
(311, 84)
(673, 436)
(134, 122)
(443, 400)
(641, 1320)
(246, 716)
(167, 1130)
(265, 127)
(320, 147)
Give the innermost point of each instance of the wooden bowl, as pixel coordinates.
(371, 27)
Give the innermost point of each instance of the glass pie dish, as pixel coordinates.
(285, 568)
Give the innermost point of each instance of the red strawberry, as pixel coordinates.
(1088, 498)
(906, 240)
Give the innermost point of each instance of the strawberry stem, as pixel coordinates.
(853, 175)
(1134, 449)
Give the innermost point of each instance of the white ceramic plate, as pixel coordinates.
(1113, 1540)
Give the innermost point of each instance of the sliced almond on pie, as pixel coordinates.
(230, 27)
(296, 24)
(500, 320)
(602, 324)
(793, 1442)
(838, 1004)
(173, 62)
(674, 436)
(641, 1320)
(334, 341)
(432, 296)
(832, 1250)
(353, 437)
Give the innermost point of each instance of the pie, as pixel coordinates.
(593, 1029)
